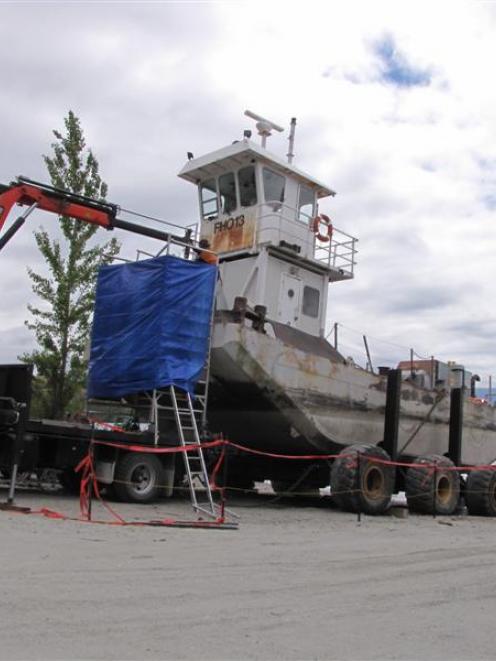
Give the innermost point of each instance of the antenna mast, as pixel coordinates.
(291, 138)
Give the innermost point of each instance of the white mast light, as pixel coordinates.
(264, 126)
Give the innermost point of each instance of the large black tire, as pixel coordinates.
(432, 490)
(480, 493)
(138, 477)
(360, 484)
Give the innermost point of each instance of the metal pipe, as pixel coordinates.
(369, 359)
(291, 138)
(147, 231)
(16, 225)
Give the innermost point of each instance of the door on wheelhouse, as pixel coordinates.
(289, 299)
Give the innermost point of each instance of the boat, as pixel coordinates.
(277, 385)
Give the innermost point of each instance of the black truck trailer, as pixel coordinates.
(30, 445)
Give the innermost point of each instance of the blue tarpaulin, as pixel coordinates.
(151, 326)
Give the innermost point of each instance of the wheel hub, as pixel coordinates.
(141, 478)
(373, 482)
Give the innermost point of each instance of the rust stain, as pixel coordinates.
(226, 234)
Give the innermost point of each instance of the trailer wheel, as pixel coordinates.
(138, 477)
(362, 484)
(480, 493)
(432, 490)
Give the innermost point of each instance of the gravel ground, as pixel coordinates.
(297, 580)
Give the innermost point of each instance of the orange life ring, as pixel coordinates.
(316, 224)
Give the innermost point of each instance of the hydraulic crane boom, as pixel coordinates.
(35, 195)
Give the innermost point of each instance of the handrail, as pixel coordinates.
(337, 254)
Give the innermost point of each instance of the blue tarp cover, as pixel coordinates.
(151, 326)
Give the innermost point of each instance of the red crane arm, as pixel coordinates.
(27, 194)
(34, 195)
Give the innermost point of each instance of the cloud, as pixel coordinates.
(392, 113)
(394, 67)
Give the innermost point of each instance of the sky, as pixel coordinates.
(395, 106)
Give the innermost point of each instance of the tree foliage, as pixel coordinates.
(61, 322)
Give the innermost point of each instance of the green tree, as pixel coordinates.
(62, 322)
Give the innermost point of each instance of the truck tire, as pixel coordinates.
(432, 490)
(480, 493)
(362, 485)
(138, 477)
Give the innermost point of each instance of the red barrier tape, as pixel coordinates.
(160, 450)
(89, 483)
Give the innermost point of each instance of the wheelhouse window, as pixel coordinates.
(306, 204)
(227, 191)
(247, 186)
(274, 185)
(311, 299)
(210, 206)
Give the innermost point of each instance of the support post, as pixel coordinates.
(359, 486)
(434, 492)
(336, 335)
(456, 426)
(392, 413)
(17, 454)
(369, 359)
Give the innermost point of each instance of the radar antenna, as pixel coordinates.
(264, 126)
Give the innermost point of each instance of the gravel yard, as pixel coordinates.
(297, 580)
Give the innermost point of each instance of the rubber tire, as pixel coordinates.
(419, 486)
(480, 493)
(345, 490)
(124, 487)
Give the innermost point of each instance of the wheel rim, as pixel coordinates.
(373, 483)
(141, 478)
(443, 489)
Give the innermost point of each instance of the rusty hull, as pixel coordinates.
(295, 394)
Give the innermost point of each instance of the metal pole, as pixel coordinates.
(18, 450)
(369, 359)
(12, 485)
(16, 225)
(92, 477)
(336, 335)
(434, 491)
(291, 138)
(204, 422)
(411, 363)
(392, 413)
(359, 487)
(456, 426)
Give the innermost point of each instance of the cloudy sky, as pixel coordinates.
(396, 111)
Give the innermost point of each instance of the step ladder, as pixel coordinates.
(194, 461)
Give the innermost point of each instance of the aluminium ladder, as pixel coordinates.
(194, 461)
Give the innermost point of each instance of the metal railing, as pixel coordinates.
(338, 254)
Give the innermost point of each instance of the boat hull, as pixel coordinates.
(271, 395)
